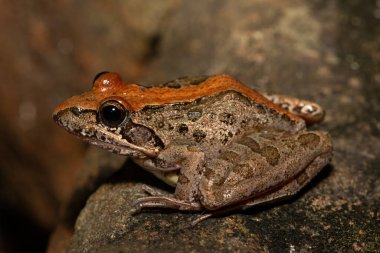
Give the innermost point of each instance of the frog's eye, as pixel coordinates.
(112, 113)
(99, 75)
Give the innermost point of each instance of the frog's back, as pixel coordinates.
(213, 113)
(184, 90)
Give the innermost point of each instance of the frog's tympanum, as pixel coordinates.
(221, 144)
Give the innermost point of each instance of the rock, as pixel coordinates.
(109, 223)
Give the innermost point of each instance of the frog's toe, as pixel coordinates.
(166, 202)
(152, 191)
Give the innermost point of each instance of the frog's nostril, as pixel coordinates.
(75, 110)
(56, 118)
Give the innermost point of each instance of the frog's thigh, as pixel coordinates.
(256, 165)
(294, 186)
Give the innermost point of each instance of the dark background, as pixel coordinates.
(326, 51)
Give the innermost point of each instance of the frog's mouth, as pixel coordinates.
(83, 124)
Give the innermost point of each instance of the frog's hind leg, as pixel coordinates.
(282, 192)
(260, 168)
(311, 112)
(292, 187)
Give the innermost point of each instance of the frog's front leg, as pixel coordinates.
(260, 168)
(189, 161)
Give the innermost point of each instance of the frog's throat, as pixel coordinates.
(114, 141)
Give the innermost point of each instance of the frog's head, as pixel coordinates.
(102, 117)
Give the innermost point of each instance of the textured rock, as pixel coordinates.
(109, 223)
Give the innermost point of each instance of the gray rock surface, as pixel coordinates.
(326, 51)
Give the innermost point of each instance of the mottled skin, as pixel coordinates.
(220, 143)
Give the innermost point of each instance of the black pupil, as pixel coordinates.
(112, 115)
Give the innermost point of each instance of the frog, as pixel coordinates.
(219, 143)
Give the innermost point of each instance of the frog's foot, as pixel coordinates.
(161, 201)
(201, 218)
(218, 213)
(152, 192)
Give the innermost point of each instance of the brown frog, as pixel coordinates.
(221, 144)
